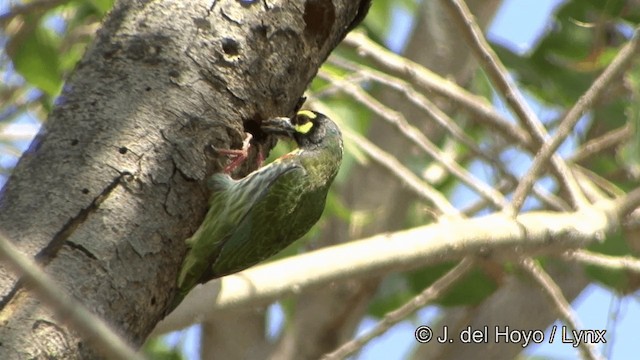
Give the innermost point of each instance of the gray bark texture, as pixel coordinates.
(115, 181)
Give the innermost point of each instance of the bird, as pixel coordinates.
(255, 217)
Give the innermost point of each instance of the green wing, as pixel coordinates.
(266, 228)
(230, 203)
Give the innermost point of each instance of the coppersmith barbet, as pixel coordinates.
(252, 219)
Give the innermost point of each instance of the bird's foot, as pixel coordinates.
(238, 155)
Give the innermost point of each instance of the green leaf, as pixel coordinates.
(630, 152)
(34, 54)
(102, 5)
(575, 49)
(377, 20)
(618, 280)
(470, 290)
(398, 289)
(156, 349)
(335, 206)
(393, 292)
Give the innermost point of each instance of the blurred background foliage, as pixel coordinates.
(43, 40)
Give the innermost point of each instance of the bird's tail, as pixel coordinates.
(177, 299)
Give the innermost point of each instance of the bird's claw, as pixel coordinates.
(238, 155)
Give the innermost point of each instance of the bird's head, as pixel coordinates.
(309, 129)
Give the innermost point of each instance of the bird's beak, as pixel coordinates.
(278, 126)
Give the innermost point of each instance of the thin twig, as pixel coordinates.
(422, 102)
(87, 324)
(551, 201)
(438, 288)
(628, 203)
(621, 62)
(363, 73)
(595, 146)
(597, 187)
(554, 293)
(628, 263)
(500, 77)
(406, 176)
(398, 120)
(478, 107)
(494, 67)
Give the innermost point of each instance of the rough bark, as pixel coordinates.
(114, 182)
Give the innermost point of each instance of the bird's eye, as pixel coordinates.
(302, 122)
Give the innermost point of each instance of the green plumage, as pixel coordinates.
(252, 219)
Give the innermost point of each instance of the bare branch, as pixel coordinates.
(595, 146)
(422, 102)
(363, 73)
(430, 83)
(494, 67)
(87, 324)
(621, 63)
(500, 77)
(553, 291)
(417, 137)
(550, 200)
(625, 205)
(505, 237)
(404, 175)
(428, 295)
(628, 263)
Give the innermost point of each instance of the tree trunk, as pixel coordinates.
(114, 182)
